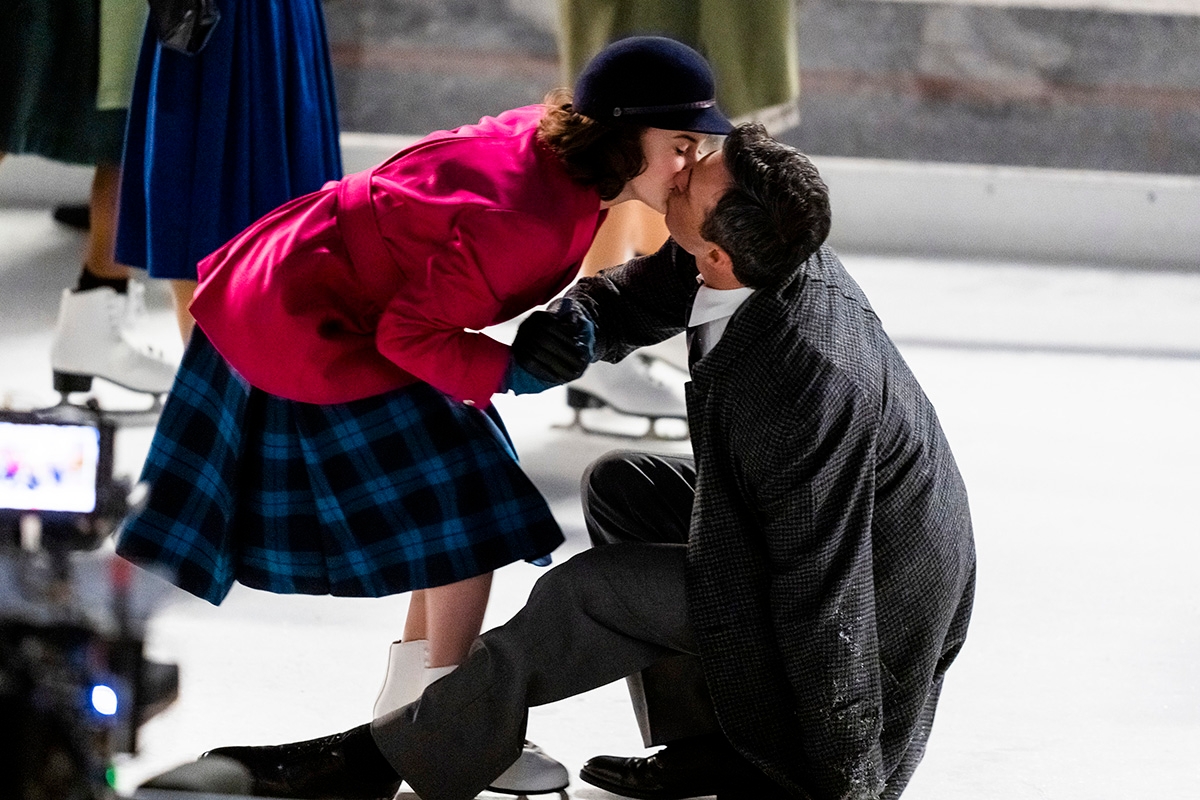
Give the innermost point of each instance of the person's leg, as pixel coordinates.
(99, 258)
(629, 386)
(181, 292)
(603, 614)
(439, 628)
(408, 671)
(631, 496)
(442, 624)
(630, 229)
(95, 317)
(454, 616)
(415, 625)
(634, 496)
(650, 233)
(611, 245)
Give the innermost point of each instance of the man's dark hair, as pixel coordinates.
(603, 155)
(776, 213)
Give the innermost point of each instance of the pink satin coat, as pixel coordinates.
(386, 276)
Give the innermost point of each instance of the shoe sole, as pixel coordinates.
(524, 792)
(617, 789)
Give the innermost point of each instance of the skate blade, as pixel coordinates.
(91, 406)
(607, 421)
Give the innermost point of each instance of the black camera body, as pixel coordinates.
(71, 636)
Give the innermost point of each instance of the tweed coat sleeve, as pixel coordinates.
(639, 303)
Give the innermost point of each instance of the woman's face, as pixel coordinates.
(667, 153)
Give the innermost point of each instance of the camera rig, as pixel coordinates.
(73, 681)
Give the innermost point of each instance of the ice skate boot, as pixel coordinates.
(94, 338)
(533, 772)
(642, 385)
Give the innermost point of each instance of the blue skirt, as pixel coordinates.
(402, 491)
(218, 139)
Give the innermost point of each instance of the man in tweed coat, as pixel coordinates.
(830, 560)
(827, 577)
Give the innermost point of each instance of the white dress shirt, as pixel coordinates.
(711, 311)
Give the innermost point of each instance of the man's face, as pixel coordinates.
(694, 195)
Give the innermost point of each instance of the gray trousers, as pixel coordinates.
(602, 615)
(631, 496)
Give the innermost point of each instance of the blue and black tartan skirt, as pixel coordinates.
(406, 490)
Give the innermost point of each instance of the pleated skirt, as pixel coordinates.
(405, 490)
(219, 138)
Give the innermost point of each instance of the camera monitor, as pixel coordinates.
(55, 467)
(46, 467)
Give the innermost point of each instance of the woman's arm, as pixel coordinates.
(497, 265)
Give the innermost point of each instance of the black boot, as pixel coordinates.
(78, 217)
(346, 765)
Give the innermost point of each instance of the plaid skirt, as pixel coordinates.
(405, 490)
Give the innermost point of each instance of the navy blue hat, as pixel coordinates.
(651, 81)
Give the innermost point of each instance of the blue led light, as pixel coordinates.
(104, 699)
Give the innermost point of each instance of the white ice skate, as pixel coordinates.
(533, 772)
(95, 338)
(644, 384)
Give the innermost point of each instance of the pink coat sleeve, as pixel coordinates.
(497, 264)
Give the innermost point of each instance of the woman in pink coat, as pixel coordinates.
(330, 429)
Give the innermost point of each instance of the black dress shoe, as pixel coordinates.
(690, 768)
(346, 765)
(643, 778)
(74, 216)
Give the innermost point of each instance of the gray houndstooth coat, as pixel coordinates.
(831, 564)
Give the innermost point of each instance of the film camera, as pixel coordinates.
(74, 685)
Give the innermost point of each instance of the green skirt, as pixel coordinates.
(751, 45)
(66, 70)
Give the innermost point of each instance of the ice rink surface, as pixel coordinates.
(1070, 396)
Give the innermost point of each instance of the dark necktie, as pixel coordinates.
(696, 336)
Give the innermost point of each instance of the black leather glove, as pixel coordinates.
(184, 25)
(555, 346)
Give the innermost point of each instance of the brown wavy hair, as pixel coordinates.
(599, 154)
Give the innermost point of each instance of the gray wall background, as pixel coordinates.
(944, 82)
(942, 129)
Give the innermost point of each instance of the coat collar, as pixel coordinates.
(760, 311)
